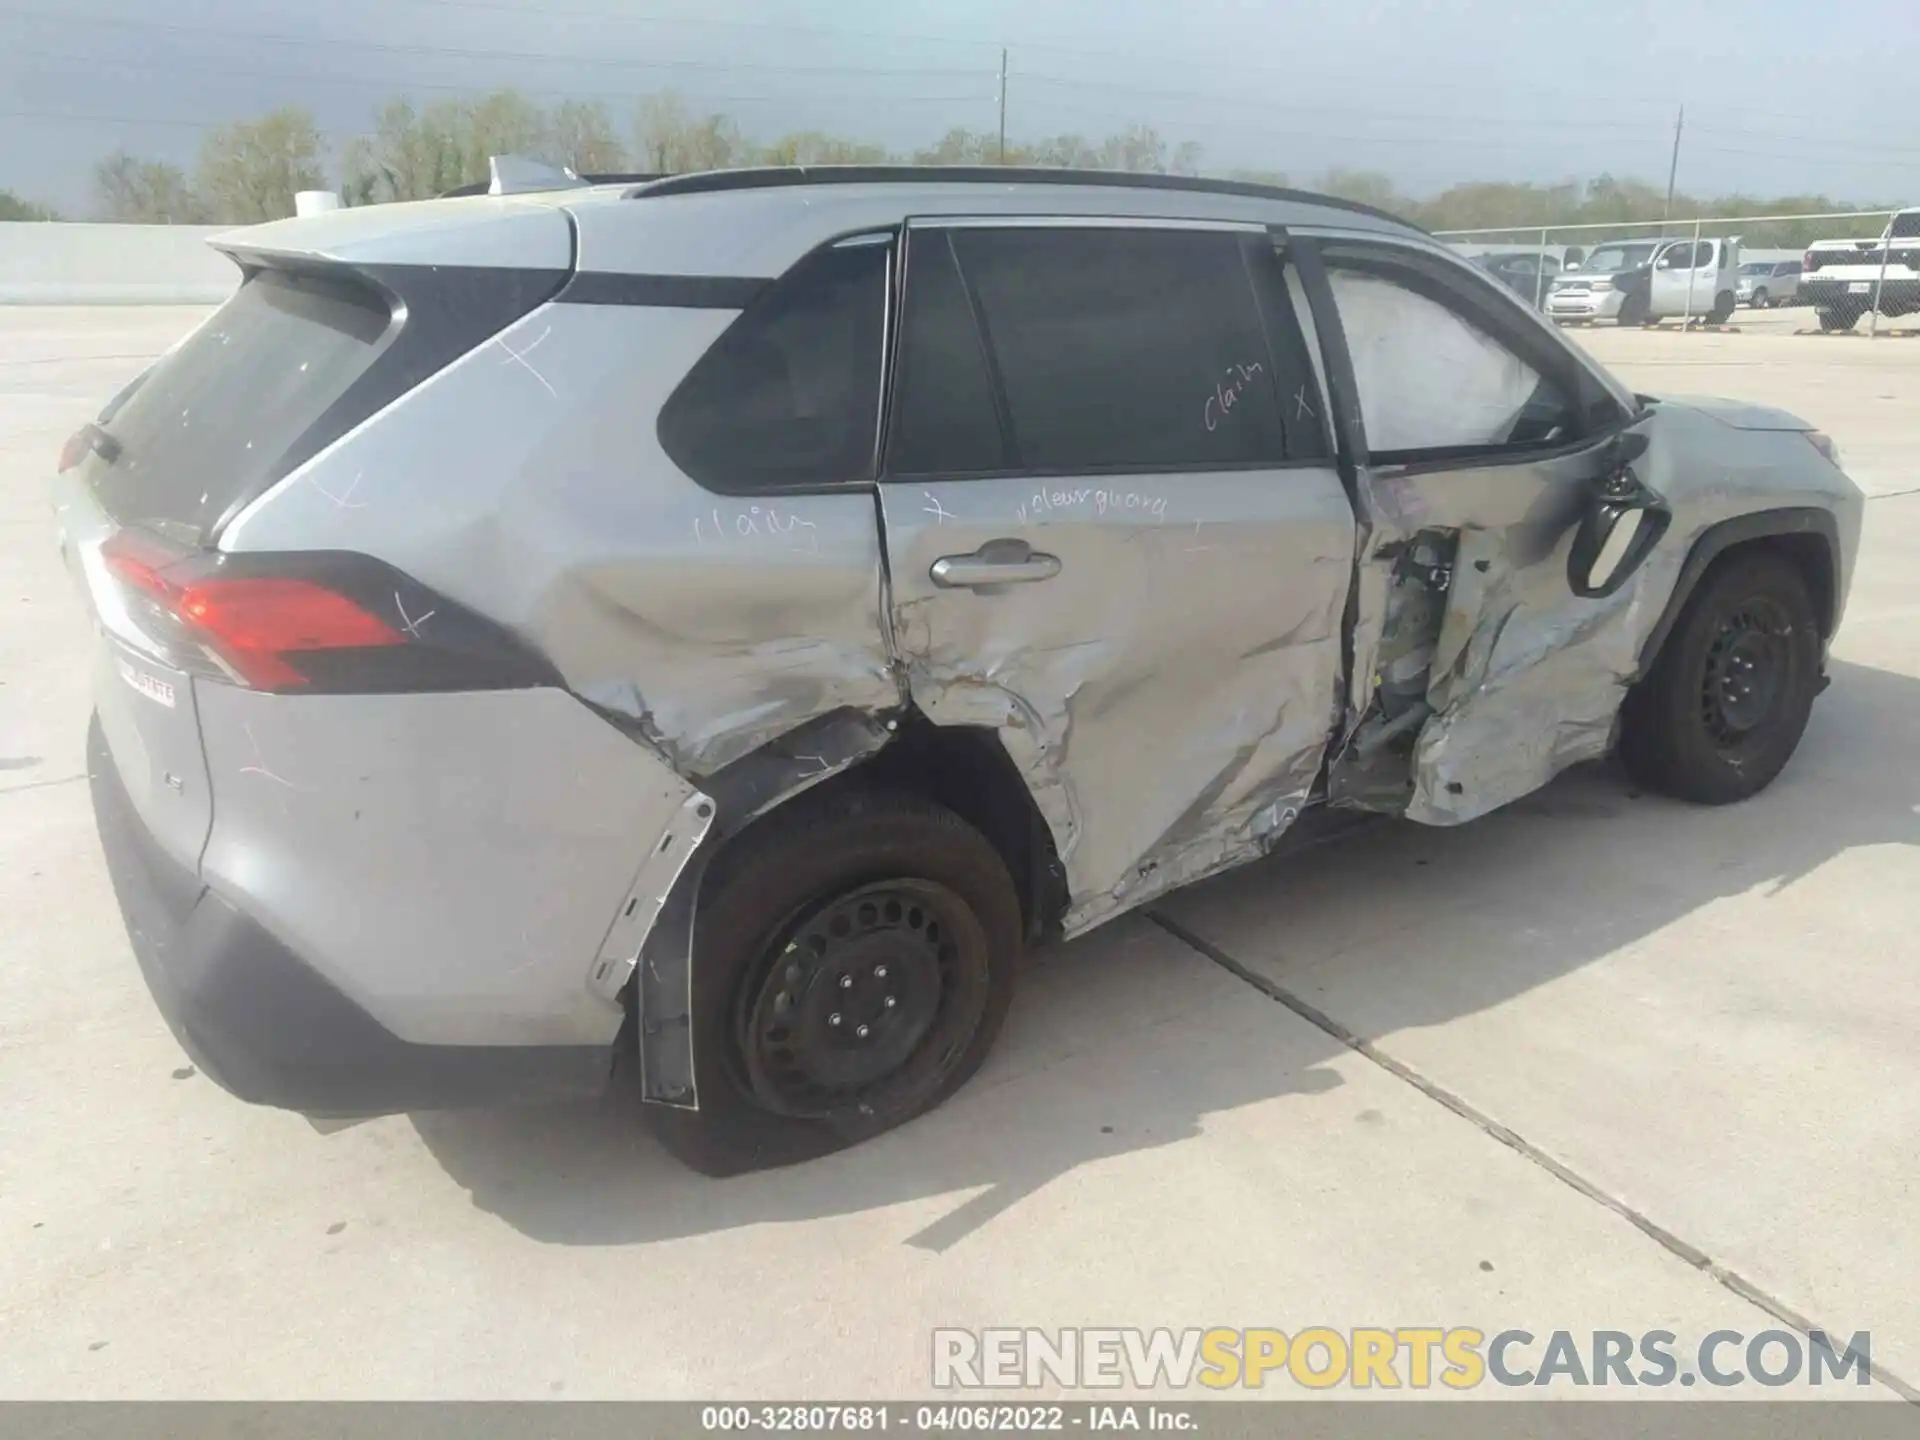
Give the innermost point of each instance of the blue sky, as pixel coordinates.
(1780, 97)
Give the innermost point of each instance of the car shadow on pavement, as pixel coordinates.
(1129, 1039)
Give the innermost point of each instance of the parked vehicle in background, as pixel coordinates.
(1530, 276)
(1637, 282)
(1843, 278)
(567, 636)
(1767, 283)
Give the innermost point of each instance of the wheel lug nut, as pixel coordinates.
(833, 1019)
(879, 972)
(846, 982)
(861, 1032)
(890, 1002)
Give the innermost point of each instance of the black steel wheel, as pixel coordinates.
(854, 957)
(1724, 705)
(865, 1004)
(1749, 657)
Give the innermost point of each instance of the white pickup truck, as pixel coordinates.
(1844, 279)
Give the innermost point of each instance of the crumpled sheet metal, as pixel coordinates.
(1528, 680)
(1143, 787)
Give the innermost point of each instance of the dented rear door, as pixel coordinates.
(1116, 536)
(1477, 438)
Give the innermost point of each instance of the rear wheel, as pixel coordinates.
(853, 961)
(1726, 702)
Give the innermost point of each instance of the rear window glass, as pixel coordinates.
(210, 421)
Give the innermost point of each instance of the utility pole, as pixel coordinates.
(1673, 170)
(1003, 104)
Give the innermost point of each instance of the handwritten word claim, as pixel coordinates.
(1100, 500)
(756, 522)
(1227, 392)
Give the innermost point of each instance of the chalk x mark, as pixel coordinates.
(342, 502)
(407, 622)
(519, 357)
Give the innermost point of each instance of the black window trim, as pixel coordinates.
(865, 235)
(1507, 320)
(946, 224)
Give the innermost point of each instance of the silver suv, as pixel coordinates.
(716, 627)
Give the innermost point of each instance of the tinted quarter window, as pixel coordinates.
(788, 398)
(1432, 379)
(945, 418)
(1124, 347)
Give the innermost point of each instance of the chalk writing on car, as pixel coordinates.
(1100, 501)
(756, 522)
(1227, 392)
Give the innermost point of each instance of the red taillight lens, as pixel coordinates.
(253, 623)
(250, 623)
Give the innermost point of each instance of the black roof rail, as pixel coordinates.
(481, 187)
(772, 177)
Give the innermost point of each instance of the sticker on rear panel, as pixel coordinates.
(151, 686)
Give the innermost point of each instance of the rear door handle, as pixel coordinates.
(998, 562)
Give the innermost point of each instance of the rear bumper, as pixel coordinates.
(1900, 295)
(262, 1024)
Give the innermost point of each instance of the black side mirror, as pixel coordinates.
(1624, 520)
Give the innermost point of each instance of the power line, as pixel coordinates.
(452, 52)
(402, 85)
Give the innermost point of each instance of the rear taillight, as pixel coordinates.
(313, 621)
(1809, 261)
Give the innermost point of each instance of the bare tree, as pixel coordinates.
(412, 155)
(580, 136)
(251, 171)
(504, 122)
(669, 140)
(1138, 147)
(1068, 152)
(12, 207)
(813, 147)
(149, 192)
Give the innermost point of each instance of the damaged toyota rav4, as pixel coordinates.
(711, 629)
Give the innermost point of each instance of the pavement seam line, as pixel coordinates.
(39, 784)
(1729, 1279)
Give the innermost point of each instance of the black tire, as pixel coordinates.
(1832, 320)
(1685, 731)
(1722, 308)
(1633, 309)
(1760, 300)
(911, 880)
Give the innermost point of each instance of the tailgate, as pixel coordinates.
(146, 706)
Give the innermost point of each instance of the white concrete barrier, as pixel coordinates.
(55, 263)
